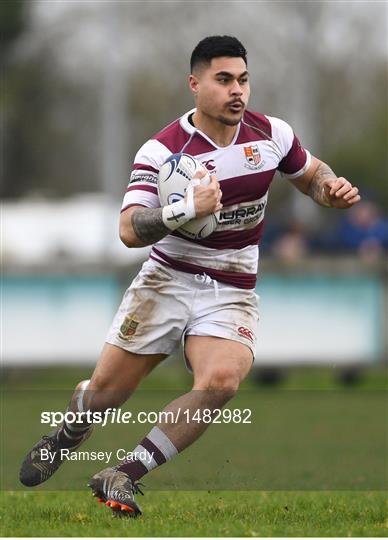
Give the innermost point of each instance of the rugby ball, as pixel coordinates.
(175, 176)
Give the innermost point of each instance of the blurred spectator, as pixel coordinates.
(363, 229)
(292, 245)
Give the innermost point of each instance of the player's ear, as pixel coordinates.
(193, 84)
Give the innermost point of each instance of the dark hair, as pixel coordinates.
(216, 46)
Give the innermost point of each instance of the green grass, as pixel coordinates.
(308, 434)
(199, 513)
(296, 441)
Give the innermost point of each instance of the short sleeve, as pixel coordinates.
(142, 188)
(295, 159)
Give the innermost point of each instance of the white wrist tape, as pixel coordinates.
(177, 214)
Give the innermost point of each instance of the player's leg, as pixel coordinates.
(219, 365)
(142, 328)
(115, 377)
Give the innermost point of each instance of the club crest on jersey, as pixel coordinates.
(253, 157)
(128, 327)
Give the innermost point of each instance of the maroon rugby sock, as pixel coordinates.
(151, 452)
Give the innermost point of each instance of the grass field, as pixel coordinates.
(199, 514)
(318, 465)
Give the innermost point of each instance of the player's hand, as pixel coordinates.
(340, 193)
(207, 199)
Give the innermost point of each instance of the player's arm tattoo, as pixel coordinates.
(148, 225)
(319, 180)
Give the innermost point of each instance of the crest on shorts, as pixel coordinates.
(128, 327)
(253, 157)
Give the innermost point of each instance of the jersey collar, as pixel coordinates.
(189, 128)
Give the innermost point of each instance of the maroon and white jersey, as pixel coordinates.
(245, 169)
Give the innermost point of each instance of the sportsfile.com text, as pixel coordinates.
(117, 416)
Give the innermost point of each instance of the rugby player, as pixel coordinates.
(198, 292)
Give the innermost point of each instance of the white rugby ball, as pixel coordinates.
(175, 176)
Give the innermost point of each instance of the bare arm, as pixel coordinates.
(325, 188)
(141, 226)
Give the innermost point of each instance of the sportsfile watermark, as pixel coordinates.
(268, 440)
(117, 416)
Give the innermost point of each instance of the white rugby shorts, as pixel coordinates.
(163, 306)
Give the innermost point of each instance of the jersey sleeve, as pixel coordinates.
(295, 159)
(142, 188)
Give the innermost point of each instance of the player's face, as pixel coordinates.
(221, 90)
